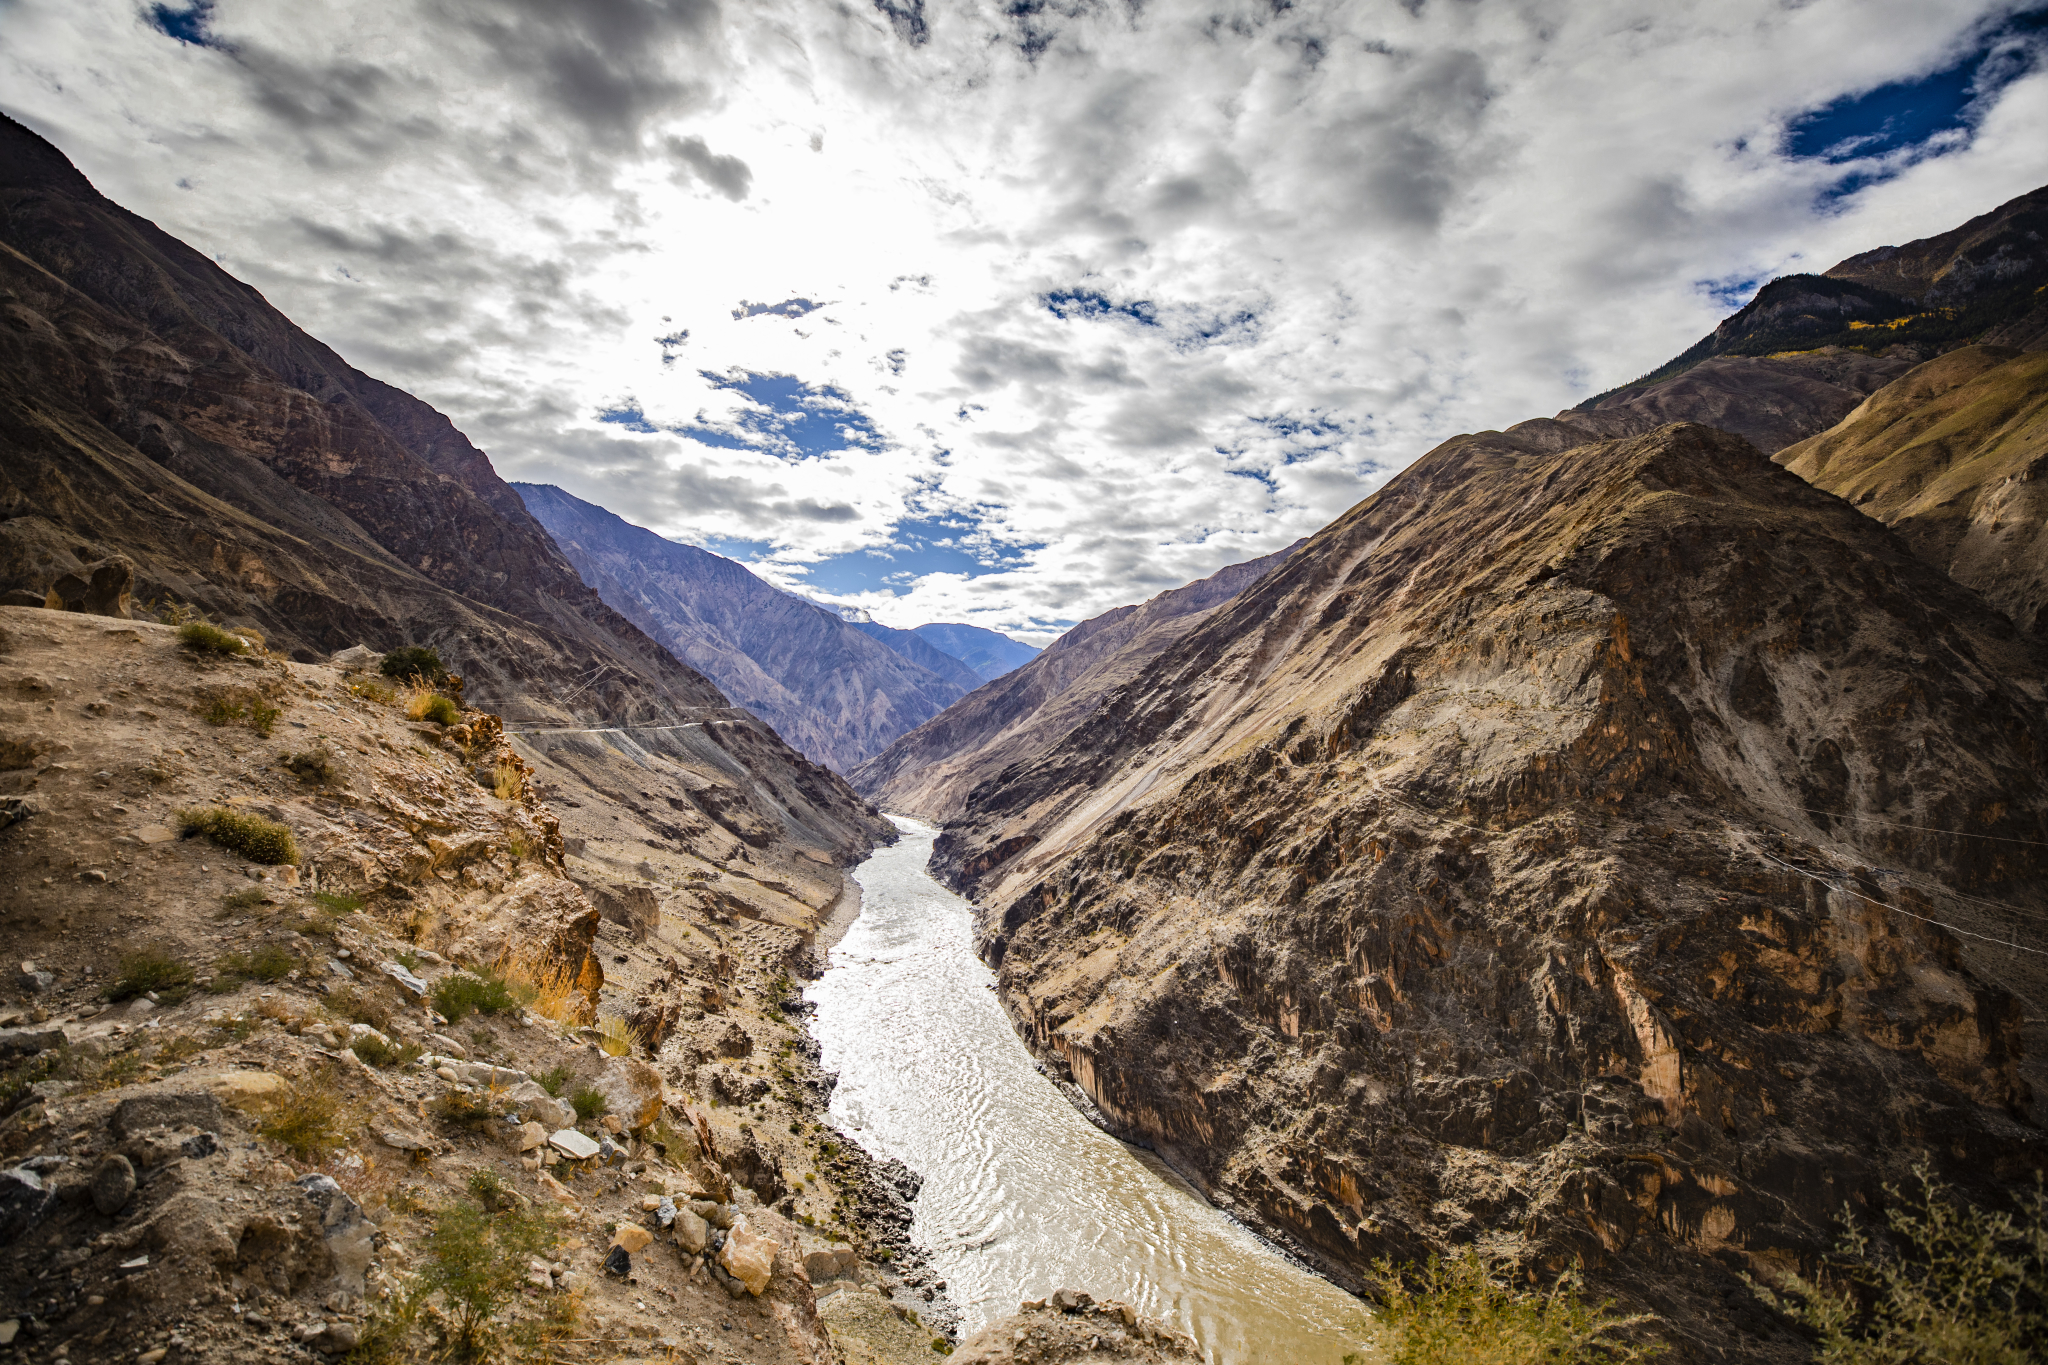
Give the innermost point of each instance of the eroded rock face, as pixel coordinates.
(1543, 855)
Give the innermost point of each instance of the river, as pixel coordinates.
(1022, 1195)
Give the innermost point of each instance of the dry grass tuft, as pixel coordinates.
(507, 782)
(255, 838)
(548, 990)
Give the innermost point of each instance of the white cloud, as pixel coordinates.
(1290, 247)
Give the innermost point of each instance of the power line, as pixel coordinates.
(2003, 943)
(1895, 824)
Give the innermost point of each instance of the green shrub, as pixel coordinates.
(359, 1006)
(152, 969)
(246, 899)
(385, 1053)
(263, 716)
(465, 1109)
(269, 962)
(1458, 1312)
(1956, 1284)
(553, 1079)
(206, 639)
(224, 711)
(475, 1260)
(255, 838)
(436, 708)
(588, 1104)
(459, 995)
(337, 903)
(414, 661)
(309, 1119)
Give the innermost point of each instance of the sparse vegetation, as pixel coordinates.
(461, 994)
(465, 1109)
(614, 1036)
(414, 661)
(267, 962)
(507, 782)
(312, 766)
(588, 1104)
(247, 899)
(255, 838)
(475, 1261)
(151, 969)
(309, 1119)
(337, 903)
(210, 639)
(373, 691)
(553, 1079)
(432, 706)
(1460, 1312)
(359, 1006)
(1951, 1283)
(548, 989)
(383, 1052)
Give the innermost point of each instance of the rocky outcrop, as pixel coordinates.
(1605, 855)
(825, 686)
(930, 771)
(1954, 457)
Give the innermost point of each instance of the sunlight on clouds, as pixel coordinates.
(959, 314)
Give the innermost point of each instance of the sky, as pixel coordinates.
(1011, 312)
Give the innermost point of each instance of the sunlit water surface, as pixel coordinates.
(1021, 1194)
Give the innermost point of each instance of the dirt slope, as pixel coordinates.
(1552, 853)
(929, 772)
(1952, 457)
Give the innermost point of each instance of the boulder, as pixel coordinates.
(532, 1137)
(633, 1089)
(350, 1236)
(113, 1184)
(27, 1042)
(633, 1237)
(573, 1145)
(246, 1085)
(101, 588)
(175, 1109)
(356, 656)
(541, 1107)
(748, 1257)
(693, 1234)
(820, 1266)
(25, 1200)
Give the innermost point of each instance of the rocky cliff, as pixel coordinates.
(1626, 853)
(930, 771)
(824, 684)
(1953, 456)
(166, 430)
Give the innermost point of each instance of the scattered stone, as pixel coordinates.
(33, 979)
(152, 1357)
(93, 875)
(692, 1233)
(27, 1042)
(573, 1145)
(350, 1236)
(633, 1089)
(748, 1257)
(1070, 1300)
(156, 834)
(632, 1237)
(25, 1200)
(355, 656)
(247, 1084)
(403, 1141)
(397, 972)
(448, 1046)
(113, 1184)
(200, 1146)
(820, 1266)
(619, 1262)
(9, 1330)
(335, 1338)
(532, 1137)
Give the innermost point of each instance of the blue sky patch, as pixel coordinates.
(188, 25)
(789, 419)
(788, 308)
(1069, 304)
(1906, 114)
(629, 416)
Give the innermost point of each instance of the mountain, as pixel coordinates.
(1953, 456)
(167, 436)
(823, 683)
(1598, 855)
(989, 653)
(1985, 282)
(920, 651)
(930, 771)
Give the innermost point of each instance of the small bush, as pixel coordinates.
(318, 924)
(255, 838)
(414, 661)
(263, 717)
(553, 1079)
(475, 1260)
(312, 766)
(549, 990)
(1457, 1312)
(614, 1036)
(152, 969)
(358, 1006)
(1956, 1284)
(466, 1109)
(206, 639)
(337, 903)
(385, 1053)
(507, 782)
(247, 899)
(434, 707)
(460, 995)
(588, 1104)
(373, 691)
(269, 962)
(224, 711)
(309, 1120)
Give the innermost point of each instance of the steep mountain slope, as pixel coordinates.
(989, 653)
(824, 685)
(1986, 281)
(1553, 853)
(930, 771)
(1952, 457)
(158, 418)
(919, 651)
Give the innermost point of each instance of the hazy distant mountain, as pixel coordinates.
(989, 653)
(823, 683)
(919, 651)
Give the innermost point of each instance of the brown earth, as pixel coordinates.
(1606, 854)
(929, 772)
(1952, 456)
(106, 736)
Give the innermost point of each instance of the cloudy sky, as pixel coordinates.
(1013, 311)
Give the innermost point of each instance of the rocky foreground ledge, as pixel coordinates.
(1070, 1328)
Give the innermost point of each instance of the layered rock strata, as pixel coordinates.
(1623, 855)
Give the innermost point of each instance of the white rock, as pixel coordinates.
(573, 1145)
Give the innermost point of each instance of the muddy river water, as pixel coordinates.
(1022, 1195)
